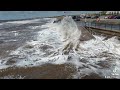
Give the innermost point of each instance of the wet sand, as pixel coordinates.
(47, 71)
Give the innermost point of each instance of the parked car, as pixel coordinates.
(88, 17)
(82, 17)
(111, 17)
(95, 17)
(117, 17)
(106, 17)
(76, 18)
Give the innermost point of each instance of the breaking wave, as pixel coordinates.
(98, 56)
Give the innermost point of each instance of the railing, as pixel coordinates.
(101, 25)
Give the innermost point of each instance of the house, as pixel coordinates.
(113, 12)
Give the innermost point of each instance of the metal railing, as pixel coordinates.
(101, 25)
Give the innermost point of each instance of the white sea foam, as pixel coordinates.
(34, 27)
(1, 24)
(23, 22)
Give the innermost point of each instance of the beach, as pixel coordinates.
(28, 50)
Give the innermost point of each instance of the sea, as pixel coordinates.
(12, 15)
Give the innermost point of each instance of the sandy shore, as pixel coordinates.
(47, 71)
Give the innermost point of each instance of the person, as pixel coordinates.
(98, 19)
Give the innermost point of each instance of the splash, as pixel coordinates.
(70, 34)
(68, 28)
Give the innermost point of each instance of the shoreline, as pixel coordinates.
(29, 18)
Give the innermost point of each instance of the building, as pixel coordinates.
(113, 12)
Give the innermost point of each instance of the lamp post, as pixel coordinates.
(85, 19)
